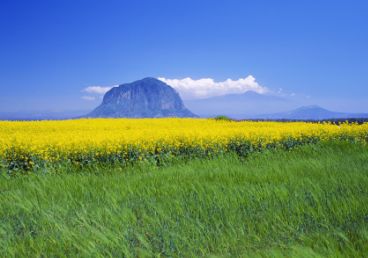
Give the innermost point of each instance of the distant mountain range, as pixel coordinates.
(240, 105)
(148, 97)
(310, 113)
(251, 105)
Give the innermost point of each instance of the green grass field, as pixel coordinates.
(308, 202)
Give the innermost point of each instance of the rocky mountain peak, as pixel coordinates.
(148, 97)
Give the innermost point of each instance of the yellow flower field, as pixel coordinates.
(58, 140)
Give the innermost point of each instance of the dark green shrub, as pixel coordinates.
(223, 118)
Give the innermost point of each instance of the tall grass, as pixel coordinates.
(309, 202)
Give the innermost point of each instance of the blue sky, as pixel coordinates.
(51, 50)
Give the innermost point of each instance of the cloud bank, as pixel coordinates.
(99, 90)
(96, 92)
(189, 88)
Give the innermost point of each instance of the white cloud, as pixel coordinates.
(96, 92)
(99, 90)
(189, 88)
(89, 98)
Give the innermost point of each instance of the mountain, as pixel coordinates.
(310, 113)
(239, 105)
(148, 97)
